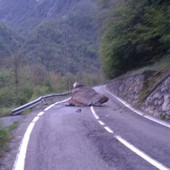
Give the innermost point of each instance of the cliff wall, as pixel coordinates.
(148, 91)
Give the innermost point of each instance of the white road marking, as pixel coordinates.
(102, 123)
(142, 154)
(108, 129)
(132, 147)
(49, 107)
(20, 160)
(63, 101)
(139, 112)
(35, 119)
(21, 155)
(94, 113)
(157, 121)
(40, 114)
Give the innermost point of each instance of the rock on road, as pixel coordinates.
(72, 138)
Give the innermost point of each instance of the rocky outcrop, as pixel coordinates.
(128, 87)
(158, 102)
(86, 96)
(135, 90)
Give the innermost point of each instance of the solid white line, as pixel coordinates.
(94, 113)
(102, 123)
(20, 161)
(157, 121)
(21, 155)
(40, 114)
(142, 154)
(139, 112)
(49, 107)
(35, 119)
(108, 129)
(63, 101)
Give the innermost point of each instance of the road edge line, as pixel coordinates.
(19, 163)
(138, 111)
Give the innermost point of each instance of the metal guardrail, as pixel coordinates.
(35, 102)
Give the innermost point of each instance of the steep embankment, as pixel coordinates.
(149, 91)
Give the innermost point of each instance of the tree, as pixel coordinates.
(137, 34)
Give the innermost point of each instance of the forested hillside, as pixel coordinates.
(45, 46)
(9, 41)
(135, 34)
(55, 32)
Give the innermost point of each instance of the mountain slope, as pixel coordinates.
(9, 41)
(56, 33)
(26, 15)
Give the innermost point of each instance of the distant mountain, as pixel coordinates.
(58, 34)
(26, 15)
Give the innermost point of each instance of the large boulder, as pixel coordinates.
(86, 96)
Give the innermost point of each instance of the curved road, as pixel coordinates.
(110, 137)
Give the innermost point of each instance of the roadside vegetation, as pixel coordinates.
(135, 34)
(32, 82)
(5, 137)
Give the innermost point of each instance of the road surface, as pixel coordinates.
(110, 137)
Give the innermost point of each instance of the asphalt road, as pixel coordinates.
(98, 138)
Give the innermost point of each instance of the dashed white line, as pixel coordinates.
(94, 113)
(108, 129)
(21, 155)
(102, 123)
(142, 154)
(139, 112)
(132, 147)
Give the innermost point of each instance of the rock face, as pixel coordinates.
(86, 96)
(130, 87)
(158, 102)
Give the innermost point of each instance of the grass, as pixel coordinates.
(5, 137)
(4, 111)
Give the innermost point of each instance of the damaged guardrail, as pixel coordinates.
(35, 102)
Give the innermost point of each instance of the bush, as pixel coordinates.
(39, 91)
(7, 97)
(4, 111)
(4, 139)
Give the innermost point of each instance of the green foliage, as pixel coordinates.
(5, 137)
(66, 36)
(9, 40)
(5, 111)
(7, 97)
(70, 42)
(137, 34)
(56, 50)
